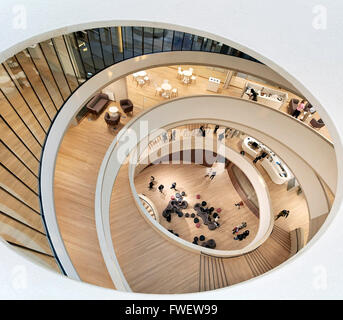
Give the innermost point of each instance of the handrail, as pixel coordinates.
(151, 205)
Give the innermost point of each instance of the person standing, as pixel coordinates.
(221, 136)
(165, 137)
(213, 175)
(299, 108)
(209, 171)
(202, 131)
(172, 136)
(253, 95)
(216, 129)
(173, 186)
(160, 188)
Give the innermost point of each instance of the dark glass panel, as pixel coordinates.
(127, 42)
(96, 49)
(197, 43)
(117, 43)
(74, 53)
(177, 41)
(106, 41)
(187, 41)
(148, 40)
(137, 41)
(158, 40)
(206, 46)
(167, 40)
(85, 52)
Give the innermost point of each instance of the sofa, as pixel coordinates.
(317, 123)
(97, 103)
(126, 105)
(112, 120)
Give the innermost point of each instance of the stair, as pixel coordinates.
(212, 274)
(150, 210)
(257, 262)
(282, 237)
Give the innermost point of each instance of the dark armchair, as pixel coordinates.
(317, 123)
(293, 103)
(112, 120)
(126, 105)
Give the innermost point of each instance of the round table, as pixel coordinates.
(141, 73)
(187, 73)
(166, 86)
(113, 111)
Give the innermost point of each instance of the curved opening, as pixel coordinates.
(43, 118)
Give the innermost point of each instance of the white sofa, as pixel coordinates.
(266, 96)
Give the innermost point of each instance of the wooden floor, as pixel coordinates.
(77, 166)
(79, 160)
(218, 193)
(150, 262)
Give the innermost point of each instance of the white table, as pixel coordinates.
(113, 111)
(187, 73)
(166, 87)
(277, 171)
(141, 73)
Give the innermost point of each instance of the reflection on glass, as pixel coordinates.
(85, 52)
(127, 42)
(117, 43)
(187, 41)
(75, 57)
(177, 41)
(32, 74)
(44, 71)
(96, 49)
(197, 43)
(30, 97)
(55, 67)
(137, 41)
(148, 40)
(106, 41)
(64, 58)
(158, 40)
(167, 40)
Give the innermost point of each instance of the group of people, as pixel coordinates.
(161, 186)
